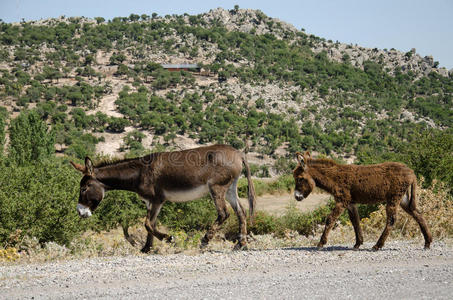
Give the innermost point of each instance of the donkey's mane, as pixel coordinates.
(322, 161)
(108, 161)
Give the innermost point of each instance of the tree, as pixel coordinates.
(89, 59)
(51, 73)
(30, 139)
(432, 156)
(117, 124)
(122, 70)
(117, 58)
(134, 17)
(133, 141)
(99, 20)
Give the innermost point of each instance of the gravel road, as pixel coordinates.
(402, 270)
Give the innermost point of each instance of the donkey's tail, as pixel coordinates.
(412, 200)
(251, 189)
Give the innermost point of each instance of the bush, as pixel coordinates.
(133, 141)
(188, 216)
(30, 139)
(83, 145)
(39, 201)
(282, 184)
(117, 124)
(119, 208)
(294, 220)
(3, 116)
(431, 156)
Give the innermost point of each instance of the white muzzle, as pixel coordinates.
(83, 211)
(298, 195)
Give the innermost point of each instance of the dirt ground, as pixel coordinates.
(278, 203)
(401, 270)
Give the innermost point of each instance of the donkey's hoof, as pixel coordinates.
(204, 243)
(375, 248)
(357, 246)
(319, 246)
(427, 246)
(240, 246)
(170, 239)
(145, 249)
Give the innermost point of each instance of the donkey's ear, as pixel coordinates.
(78, 167)
(300, 158)
(307, 154)
(89, 166)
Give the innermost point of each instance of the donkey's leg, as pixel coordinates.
(233, 198)
(414, 213)
(355, 220)
(390, 210)
(127, 235)
(218, 195)
(148, 244)
(149, 237)
(150, 225)
(331, 219)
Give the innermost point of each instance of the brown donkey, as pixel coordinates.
(390, 183)
(178, 176)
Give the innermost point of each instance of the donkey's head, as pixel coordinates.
(91, 189)
(304, 182)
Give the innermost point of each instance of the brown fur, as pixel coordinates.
(388, 183)
(158, 177)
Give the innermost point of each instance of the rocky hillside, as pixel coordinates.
(101, 87)
(254, 21)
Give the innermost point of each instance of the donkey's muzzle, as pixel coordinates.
(298, 195)
(83, 211)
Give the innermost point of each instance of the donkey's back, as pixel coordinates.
(194, 167)
(378, 183)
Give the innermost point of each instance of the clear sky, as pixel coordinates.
(426, 25)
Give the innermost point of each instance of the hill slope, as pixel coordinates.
(263, 82)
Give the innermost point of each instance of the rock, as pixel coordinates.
(429, 59)
(443, 72)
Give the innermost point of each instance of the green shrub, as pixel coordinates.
(264, 224)
(30, 139)
(83, 145)
(431, 156)
(282, 184)
(3, 116)
(119, 208)
(117, 124)
(133, 141)
(306, 223)
(39, 201)
(188, 216)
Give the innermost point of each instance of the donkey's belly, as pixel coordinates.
(187, 194)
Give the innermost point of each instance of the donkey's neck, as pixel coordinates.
(324, 174)
(120, 176)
